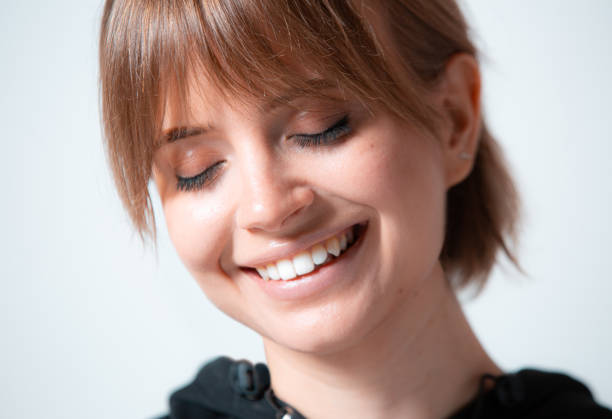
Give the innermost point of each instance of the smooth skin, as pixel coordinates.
(389, 338)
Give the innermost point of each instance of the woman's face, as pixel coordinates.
(247, 187)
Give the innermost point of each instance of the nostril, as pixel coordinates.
(300, 200)
(293, 214)
(273, 210)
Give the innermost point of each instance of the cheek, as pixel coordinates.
(394, 171)
(399, 174)
(415, 205)
(198, 227)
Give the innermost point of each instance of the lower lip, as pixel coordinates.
(331, 274)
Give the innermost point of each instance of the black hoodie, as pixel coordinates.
(227, 389)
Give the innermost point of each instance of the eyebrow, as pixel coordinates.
(180, 133)
(316, 85)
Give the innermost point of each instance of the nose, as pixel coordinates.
(271, 197)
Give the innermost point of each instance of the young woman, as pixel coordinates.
(327, 178)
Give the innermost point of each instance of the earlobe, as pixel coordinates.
(460, 109)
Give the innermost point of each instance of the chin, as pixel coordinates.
(321, 330)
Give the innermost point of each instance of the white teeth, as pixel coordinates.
(319, 254)
(285, 269)
(273, 272)
(263, 272)
(303, 263)
(333, 246)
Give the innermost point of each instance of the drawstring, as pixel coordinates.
(283, 411)
(253, 382)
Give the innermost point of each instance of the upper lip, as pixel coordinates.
(278, 250)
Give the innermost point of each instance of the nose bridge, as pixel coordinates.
(270, 194)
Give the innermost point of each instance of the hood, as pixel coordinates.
(228, 389)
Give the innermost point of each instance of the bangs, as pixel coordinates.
(250, 50)
(246, 49)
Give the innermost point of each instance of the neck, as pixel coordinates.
(422, 362)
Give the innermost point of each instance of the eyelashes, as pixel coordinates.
(324, 138)
(199, 181)
(327, 137)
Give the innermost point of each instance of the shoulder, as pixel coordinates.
(535, 394)
(554, 394)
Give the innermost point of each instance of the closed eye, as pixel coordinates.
(200, 180)
(338, 130)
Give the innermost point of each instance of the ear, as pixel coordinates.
(459, 104)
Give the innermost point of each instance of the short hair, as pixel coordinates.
(246, 48)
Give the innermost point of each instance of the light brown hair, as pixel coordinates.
(246, 47)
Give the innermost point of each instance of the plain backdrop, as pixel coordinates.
(92, 321)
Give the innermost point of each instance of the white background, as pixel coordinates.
(93, 322)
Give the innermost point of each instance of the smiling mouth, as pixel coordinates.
(310, 260)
